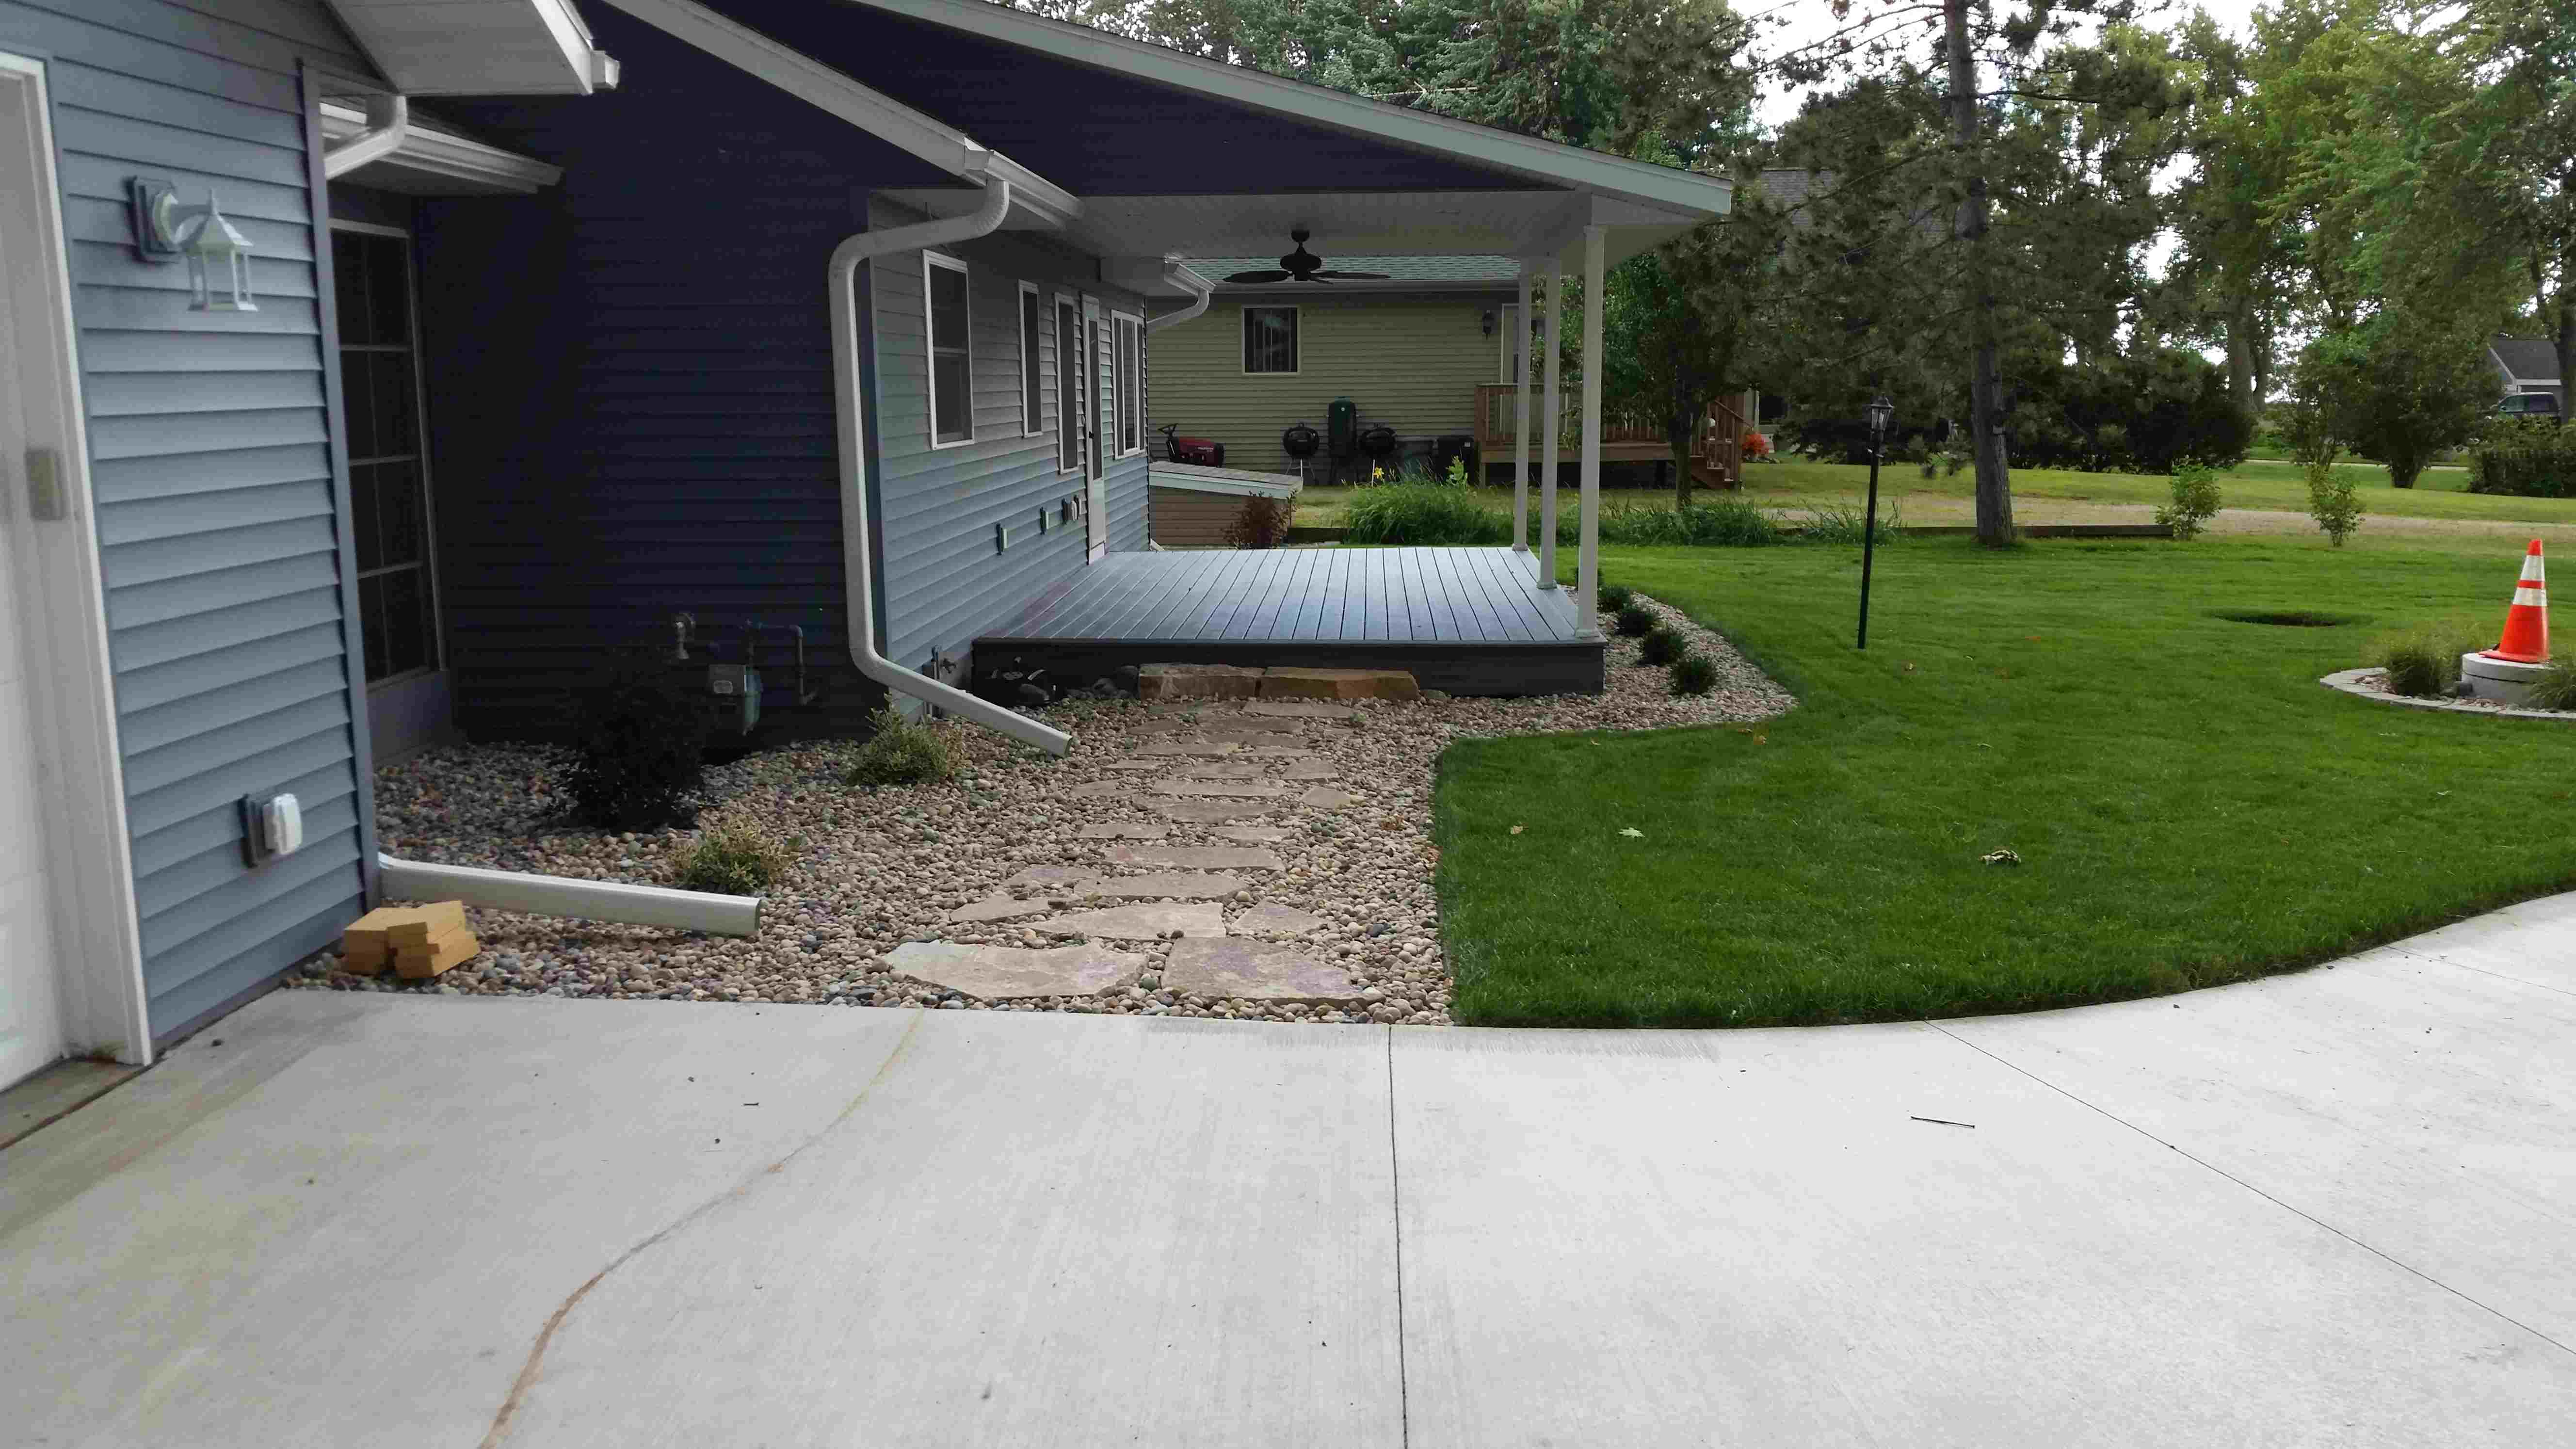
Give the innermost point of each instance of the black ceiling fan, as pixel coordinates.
(1302, 265)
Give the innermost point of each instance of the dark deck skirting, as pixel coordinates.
(1463, 620)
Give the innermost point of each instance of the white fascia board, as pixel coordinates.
(1546, 161)
(872, 111)
(478, 47)
(455, 158)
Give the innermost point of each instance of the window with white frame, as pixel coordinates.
(1131, 377)
(1270, 339)
(952, 367)
(1068, 385)
(1031, 388)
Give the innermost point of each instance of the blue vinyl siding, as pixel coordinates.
(944, 581)
(211, 467)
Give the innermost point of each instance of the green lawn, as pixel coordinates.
(2190, 806)
(2439, 493)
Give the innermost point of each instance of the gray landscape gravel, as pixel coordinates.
(1020, 841)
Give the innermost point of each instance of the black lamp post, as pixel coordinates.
(1881, 411)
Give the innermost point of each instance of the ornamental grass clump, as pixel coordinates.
(904, 751)
(2556, 688)
(1634, 620)
(1694, 674)
(732, 858)
(1422, 514)
(2426, 663)
(1662, 645)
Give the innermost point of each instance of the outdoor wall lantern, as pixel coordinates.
(218, 255)
(1881, 413)
(1485, 319)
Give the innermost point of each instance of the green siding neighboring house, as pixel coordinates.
(1411, 352)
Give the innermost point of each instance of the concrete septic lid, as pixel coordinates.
(2349, 681)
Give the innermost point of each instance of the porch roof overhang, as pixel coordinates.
(1442, 187)
(479, 47)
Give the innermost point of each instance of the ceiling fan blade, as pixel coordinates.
(1354, 276)
(1255, 278)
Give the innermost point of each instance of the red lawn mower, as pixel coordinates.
(1206, 452)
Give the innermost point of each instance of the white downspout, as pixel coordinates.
(555, 895)
(1547, 434)
(1520, 423)
(859, 560)
(1188, 281)
(388, 119)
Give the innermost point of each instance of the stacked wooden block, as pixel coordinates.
(417, 941)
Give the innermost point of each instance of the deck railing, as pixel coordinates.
(1717, 453)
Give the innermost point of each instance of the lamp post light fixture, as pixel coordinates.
(1881, 413)
(218, 255)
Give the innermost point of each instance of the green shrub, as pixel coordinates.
(734, 858)
(1615, 597)
(2195, 499)
(1724, 523)
(1694, 674)
(1422, 514)
(2527, 458)
(2333, 502)
(1633, 620)
(1662, 645)
(1260, 523)
(638, 728)
(2556, 689)
(1845, 523)
(904, 751)
(2425, 664)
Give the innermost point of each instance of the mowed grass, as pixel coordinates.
(2190, 807)
(1788, 488)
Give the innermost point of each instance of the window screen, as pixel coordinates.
(1131, 397)
(1029, 384)
(1068, 386)
(1270, 339)
(952, 403)
(388, 478)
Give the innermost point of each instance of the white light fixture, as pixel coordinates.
(218, 255)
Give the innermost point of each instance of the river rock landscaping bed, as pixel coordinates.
(1252, 859)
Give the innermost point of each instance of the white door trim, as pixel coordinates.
(1100, 370)
(98, 939)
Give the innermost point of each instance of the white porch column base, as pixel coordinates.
(1520, 424)
(1588, 561)
(1547, 435)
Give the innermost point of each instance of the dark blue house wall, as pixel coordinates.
(218, 504)
(630, 385)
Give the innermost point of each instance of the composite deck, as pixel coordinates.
(1464, 620)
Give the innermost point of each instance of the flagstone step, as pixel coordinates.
(1300, 709)
(1309, 769)
(1256, 834)
(998, 908)
(1232, 966)
(1052, 875)
(1193, 857)
(1138, 923)
(1002, 973)
(1126, 830)
(1273, 921)
(1216, 770)
(1169, 885)
(1205, 812)
(1321, 798)
(1222, 789)
(1205, 749)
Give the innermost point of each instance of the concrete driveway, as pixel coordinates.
(2336, 1208)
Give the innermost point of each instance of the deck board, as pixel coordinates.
(1469, 620)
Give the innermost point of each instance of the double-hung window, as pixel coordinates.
(1270, 339)
(952, 367)
(1131, 383)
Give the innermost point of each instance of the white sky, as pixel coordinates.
(1807, 21)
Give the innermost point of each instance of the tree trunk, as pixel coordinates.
(1677, 433)
(1985, 370)
(2242, 384)
(2567, 347)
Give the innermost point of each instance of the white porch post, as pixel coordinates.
(1547, 434)
(1588, 563)
(1520, 425)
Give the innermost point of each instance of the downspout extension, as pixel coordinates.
(1188, 281)
(388, 119)
(555, 895)
(860, 564)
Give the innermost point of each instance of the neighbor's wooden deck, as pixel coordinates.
(1467, 620)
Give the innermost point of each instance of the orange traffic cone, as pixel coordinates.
(2526, 624)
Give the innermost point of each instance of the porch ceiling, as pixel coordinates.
(478, 47)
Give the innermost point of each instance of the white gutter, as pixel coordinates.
(1182, 277)
(859, 558)
(388, 118)
(555, 895)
